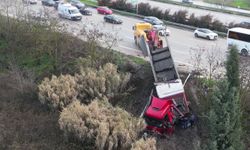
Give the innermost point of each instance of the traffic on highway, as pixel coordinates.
(181, 41)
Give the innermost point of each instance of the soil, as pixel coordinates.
(25, 124)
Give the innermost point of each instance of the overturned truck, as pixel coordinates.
(167, 105)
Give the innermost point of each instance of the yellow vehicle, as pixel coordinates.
(140, 30)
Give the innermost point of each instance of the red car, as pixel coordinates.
(104, 10)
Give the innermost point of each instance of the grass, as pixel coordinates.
(243, 4)
(90, 2)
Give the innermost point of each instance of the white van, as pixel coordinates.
(69, 12)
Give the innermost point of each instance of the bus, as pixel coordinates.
(239, 37)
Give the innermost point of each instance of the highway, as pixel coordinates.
(181, 41)
(223, 17)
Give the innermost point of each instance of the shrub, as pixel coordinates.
(144, 9)
(193, 21)
(167, 16)
(205, 21)
(106, 81)
(142, 144)
(180, 16)
(157, 12)
(58, 92)
(104, 2)
(218, 25)
(119, 4)
(100, 123)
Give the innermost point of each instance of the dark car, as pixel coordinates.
(188, 1)
(77, 4)
(48, 2)
(245, 24)
(112, 19)
(153, 20)
(85, 11)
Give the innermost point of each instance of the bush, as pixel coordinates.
(58, 92)
(180, 16)
(218, 26)
(167, 16)
(100, 123)
(142, 144)
(104, 2)
(144, 9)
(105, 82)
(157, 12)
(205, 21)
(193, 21)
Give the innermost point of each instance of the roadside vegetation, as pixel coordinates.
(243, 4)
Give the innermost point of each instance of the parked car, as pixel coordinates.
(112, 19)
(48, 2)
(188, 1)
(104, 10)
(78, 4)
(205, 33)
(85, 11)
(69, 12)
(29, 1)
(162, 30)
(153, 20)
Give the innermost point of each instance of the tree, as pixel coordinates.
(232, 67)
(224, 118)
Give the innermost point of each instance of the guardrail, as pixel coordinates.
(124, 13)
(204, 7)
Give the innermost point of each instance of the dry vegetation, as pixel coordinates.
(100, 123)
(58, 92)
(104, 82)
(142, 144)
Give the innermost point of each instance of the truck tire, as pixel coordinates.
(196, 35)
(135, 39)
(244, 52)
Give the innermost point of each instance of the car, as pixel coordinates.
(205, 33)
(30, 1)
(104, 10)
(112, 19)
(188, 1)
(153, 20)
(48, 2)
(162, 30)
(85, 11)
(245, 24)
(78, 4)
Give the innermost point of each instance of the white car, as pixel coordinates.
(162, 30)
(205, 33)
(30, 1)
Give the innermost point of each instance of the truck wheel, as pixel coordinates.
(135, 40)
(244, 52)
(196, 35)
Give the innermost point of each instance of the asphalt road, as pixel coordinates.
(225, 18)
(182, 42)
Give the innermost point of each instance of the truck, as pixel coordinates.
(168, 105)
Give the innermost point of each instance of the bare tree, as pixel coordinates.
(215, 62)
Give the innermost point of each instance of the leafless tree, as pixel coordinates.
(215, 62)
